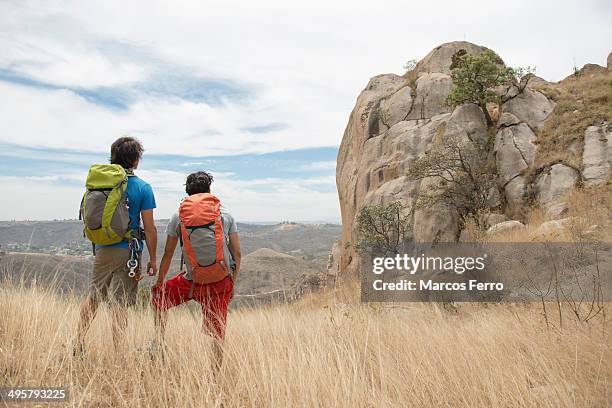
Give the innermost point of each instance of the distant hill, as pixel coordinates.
(266, 270)
(67, 273)
(311, 241)
(275, 257)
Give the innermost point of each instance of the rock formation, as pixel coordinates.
(597, 154)
(504, 227)
(397, 119)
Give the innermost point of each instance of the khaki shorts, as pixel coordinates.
(109, 278)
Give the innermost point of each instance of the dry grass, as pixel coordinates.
(581, 100)
(318, 352)
(588, 218)
(590, 209)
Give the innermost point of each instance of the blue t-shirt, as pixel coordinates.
(140, 197)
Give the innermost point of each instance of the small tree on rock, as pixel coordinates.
(410, 65)
(463, 178)
(476, 76)
(383, 228)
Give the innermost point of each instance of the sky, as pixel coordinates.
(256, 92)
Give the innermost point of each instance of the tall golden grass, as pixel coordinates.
(327, 350)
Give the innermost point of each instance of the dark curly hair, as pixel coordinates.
(126, 151)
(198, 182)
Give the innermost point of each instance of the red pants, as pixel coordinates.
(213, 297)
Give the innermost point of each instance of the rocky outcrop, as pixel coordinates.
(431, 92)
(398, 119)
(531, 107)
(394, 122)
(395, 108)
(516, 195)
(440, 58)
(551, 186)
(597, 154)
(514, 150)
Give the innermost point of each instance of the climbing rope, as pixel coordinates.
(132, 263)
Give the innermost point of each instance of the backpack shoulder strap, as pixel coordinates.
(180, 237)
(187, 245)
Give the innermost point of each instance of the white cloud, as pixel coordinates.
(81, 69)
(282, 199)
(305, 63)
(317, 166)
(307, 60)
(65, 119)
(28, 199)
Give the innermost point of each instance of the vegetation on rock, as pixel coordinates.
(382, 228)
(582, 100)
(464, 180)
(476, 76)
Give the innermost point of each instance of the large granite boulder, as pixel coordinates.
(597, 154)
(440, 58)
(553, 184)
(531, 107)
(515, 192)
(514, 151)
(431, 92)
(395, 108)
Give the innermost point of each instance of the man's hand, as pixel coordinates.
(151, 268)
(159, 283)
(138, 270)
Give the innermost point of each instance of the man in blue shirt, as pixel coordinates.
(109, 278)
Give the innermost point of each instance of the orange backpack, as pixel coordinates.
(202, 238)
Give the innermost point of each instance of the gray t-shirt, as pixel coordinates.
(229, 227)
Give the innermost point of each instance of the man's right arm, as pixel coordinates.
(150, 231)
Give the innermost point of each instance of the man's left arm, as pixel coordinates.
(234, 248)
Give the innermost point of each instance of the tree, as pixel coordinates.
(410, 65)
(476, 76)
(382, 229)
(463, 178)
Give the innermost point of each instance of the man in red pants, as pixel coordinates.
(213, 297)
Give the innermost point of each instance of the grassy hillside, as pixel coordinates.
(582, 99)
(66, 273)
(326, 350)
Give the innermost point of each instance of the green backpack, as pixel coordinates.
(104, 207)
